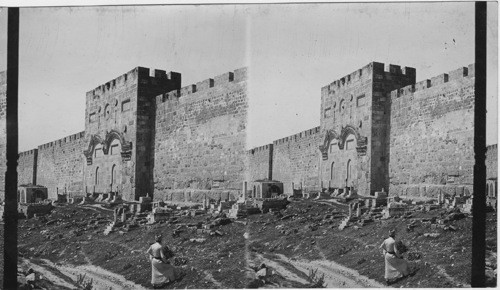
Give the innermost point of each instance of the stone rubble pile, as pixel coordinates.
(381, 206)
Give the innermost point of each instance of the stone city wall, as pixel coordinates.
(61, 164)
(111, 106)
(27, 167)
(432, 136)
(260, 162)
(346, 103)
(200, 136)
(296, 160)
(492, 161)
(384, 81)
(149, 88)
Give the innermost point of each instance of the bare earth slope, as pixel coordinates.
(305, 237)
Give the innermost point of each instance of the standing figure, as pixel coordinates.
(161, 271)
(395, 266)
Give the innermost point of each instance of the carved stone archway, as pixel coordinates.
(329, 136)
(94, 141)
(361, 141)
(126, 146)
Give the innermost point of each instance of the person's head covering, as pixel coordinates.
(392, 233)
(158, 238)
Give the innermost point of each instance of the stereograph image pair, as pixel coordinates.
(303, 145)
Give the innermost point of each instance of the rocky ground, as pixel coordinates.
(302, 245)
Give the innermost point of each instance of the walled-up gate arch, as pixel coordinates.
(342, 152)
(105, 160)
(96, 182)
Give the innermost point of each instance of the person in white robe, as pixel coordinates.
(395, 266)
(161, 270)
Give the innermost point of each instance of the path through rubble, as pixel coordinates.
(66, 275)
(335, 275)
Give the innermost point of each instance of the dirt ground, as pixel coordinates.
(299, 244)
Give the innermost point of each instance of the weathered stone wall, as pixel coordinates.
(148, 89)
(432, 136)
(3, 133)
(61, 164)
(27, 167)
(145, 134)
(111, 106)
(118, 132)
(383, 83)
(354, 120)
(200, 135)
(492, 161)
(296, 160)
(260, 162)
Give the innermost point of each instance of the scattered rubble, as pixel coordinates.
(279, 225)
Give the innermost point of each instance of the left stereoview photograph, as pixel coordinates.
(126, 170)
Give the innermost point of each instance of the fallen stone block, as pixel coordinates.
(50, 222)
(215, 233)
(450, 228)
(287, 217)
(344, 223)
(208, 226)
(432, 235)
(455, 216)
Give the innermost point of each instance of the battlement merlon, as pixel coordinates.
(135, 76)
(66, 139)
(460, 73)
(238, 75)
(371, 69)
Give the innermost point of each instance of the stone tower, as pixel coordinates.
(119, 131)
(355, 118)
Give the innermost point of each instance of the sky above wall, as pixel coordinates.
(291, 50)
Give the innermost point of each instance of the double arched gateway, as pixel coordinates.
(105, 163)
(111, 141)
(341, 154)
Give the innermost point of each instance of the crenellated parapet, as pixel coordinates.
(297, 137)
(374, 70)
(455, 75)
(218, 81)
(63, 141)
(260, 149)
(28, 153)
(141, 74)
